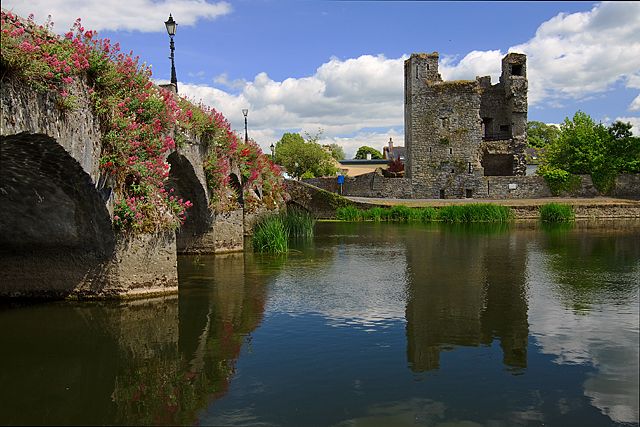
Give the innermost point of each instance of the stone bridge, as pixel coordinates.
(57, 206)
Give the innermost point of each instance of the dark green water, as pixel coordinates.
(364, 325)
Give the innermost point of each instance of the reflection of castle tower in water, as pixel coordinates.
(466, 290)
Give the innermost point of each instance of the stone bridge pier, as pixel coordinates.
(56, 208)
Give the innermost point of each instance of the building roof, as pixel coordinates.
(396, 154)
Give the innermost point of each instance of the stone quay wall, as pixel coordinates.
(375, 185)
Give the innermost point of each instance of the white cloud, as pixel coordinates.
(574, 56)
(635, 104)
(223, 79)
(342, 97)
(474, 64)
(635, 121)
(142, 15)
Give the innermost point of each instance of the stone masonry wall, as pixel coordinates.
(493, 187)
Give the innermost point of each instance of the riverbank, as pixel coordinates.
(591, 208)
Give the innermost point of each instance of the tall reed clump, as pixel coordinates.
(297, 222)
(478, 212)
(272, 233)
(348, 213)
(554, 212)
(475, 212)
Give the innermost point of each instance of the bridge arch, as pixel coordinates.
(185, 185)
(54, 225)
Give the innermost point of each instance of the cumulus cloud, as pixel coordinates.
(142, 15)
(635, 105)
(342, 97)
(577, 55)
(474, 64)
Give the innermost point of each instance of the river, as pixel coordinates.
(365, 324)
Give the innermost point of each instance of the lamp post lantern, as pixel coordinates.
(246, 135)
(171, 29)
(273, 152)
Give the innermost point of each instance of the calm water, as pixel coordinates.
(363, 325)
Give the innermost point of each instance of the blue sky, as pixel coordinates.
(338, 65)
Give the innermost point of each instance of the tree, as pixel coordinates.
(337, 152)
(308, 154)
(541, 135)
(364, 150)
(584, 147)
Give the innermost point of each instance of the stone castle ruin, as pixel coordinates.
(456, 132)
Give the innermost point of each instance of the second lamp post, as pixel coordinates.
(171, 29)
(246, 135)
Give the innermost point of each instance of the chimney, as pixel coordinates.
(390, 144)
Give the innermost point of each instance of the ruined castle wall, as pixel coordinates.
(446, 136)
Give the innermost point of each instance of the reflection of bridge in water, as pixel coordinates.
(154, 361)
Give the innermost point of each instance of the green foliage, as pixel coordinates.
(270, 235)
(559, 180)
(554, 212)
(297, 222)
(541, 135)
(273, 232)
(348, 213)
(584, 147)
(337, 152)
(474, 212)
(444, 140)
(364, 150)
(310, 157)
(478, 212)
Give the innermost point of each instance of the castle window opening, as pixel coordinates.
(442, 194)
(504, 128)
(469, 167)
(450, 150)
(516, 70)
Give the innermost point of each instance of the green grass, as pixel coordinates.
(474, 212)
(270, 235)
(478, 212)
(554, 212)
(297, 222)
(273, 232)
(348, 213)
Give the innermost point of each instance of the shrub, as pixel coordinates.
(559, 180)
(554, 212)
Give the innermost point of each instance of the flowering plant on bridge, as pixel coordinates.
(138, 120)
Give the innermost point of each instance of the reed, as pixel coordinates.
(297, 222)
(474, 212)
(554, 212)
(270, 235)
(348, 213)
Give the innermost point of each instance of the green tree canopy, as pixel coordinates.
(584, 147)
(364, 150)
(337, 152)
(541, 135)
(309, 155)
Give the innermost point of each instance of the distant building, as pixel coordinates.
(393, 153)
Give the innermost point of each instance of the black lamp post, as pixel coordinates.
(273, 152)
(171, 29)
(246, 135)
